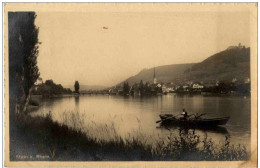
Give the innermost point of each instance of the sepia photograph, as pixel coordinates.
(110, 84)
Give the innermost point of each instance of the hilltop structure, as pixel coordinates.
(239, 46)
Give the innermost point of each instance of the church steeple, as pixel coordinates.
(154, 78)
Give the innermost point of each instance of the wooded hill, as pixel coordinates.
(222, 66)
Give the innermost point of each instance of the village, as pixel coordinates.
(234, 86)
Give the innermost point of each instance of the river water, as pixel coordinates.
(104, 116)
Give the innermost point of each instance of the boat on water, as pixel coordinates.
(169, 119)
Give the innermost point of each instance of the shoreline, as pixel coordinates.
(57, 142)
(177, 94)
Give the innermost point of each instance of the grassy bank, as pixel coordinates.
(39, 138)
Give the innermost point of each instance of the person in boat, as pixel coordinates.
(185, 115)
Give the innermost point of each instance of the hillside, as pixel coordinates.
(223, 66)
(166, 73)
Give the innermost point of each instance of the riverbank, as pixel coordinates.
(54, 96)
(40, 138)
(36, 99)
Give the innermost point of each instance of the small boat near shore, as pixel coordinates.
(169, 119)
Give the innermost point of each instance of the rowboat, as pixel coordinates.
(168, 119)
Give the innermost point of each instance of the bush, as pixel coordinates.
(34, 102)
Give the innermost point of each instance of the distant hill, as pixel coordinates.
(86, 87)
(223, 66)
(166, 73)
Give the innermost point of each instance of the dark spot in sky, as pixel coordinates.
(105, 27)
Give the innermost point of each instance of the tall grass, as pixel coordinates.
(71, 141)
(190, 146)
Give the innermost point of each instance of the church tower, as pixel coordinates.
(154, 78)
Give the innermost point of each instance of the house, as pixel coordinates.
(112, 91)
(211, 83)
(197, 86)
(39, 81)
(177, 87)
(247, 80)
(165, 89)
(116, 90)
(217, 83)
(186, 87)
(168, 87)
(189, 83)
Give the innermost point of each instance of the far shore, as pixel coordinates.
(181, 94)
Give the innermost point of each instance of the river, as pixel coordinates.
(104, 116)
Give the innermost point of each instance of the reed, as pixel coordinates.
(69, 141)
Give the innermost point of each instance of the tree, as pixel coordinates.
(147, 89)
(50, 88)
(159, 89)
(23, 53)
(76, 86)
(224, 87)
(126, 88)
(141, 87)
(49, 82)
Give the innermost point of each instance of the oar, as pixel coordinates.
(167, 118)
(202, 114)
(161, 120)
(158, 121)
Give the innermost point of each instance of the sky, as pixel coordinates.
(105, 48)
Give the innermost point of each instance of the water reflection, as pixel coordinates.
(76, 103)
(77, 100)
(217, 129)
